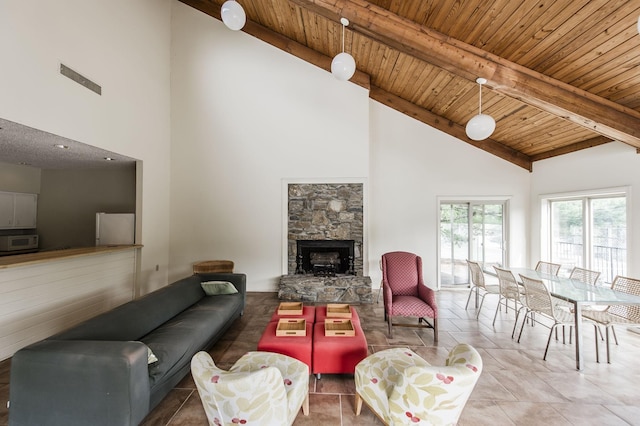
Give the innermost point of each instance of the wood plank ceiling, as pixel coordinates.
(562, 75)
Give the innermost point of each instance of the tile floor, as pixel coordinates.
(516, 387)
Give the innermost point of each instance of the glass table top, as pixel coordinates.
(578, 292)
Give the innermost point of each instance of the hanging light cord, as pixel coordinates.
(343, 38)
(480, 100)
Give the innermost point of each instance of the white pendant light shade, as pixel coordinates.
(480, 127)
(639, 24)
(343, 66)
(233, 15)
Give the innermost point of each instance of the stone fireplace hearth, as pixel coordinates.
(310, 288)
(325, 228)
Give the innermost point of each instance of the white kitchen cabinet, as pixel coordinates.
(18, 210)
(6, 210)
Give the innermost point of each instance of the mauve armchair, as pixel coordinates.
(404, 291)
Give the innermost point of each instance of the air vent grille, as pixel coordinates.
(80, 79)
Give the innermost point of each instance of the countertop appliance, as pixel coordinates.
(18, 242)
(115, 229)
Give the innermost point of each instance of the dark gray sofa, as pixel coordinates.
(96, 373)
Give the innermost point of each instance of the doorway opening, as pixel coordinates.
(473, 230)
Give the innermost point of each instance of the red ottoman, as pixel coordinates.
(308, 313)
(337, 354)
(298, 347)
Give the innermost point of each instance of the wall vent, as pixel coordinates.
(80, 79)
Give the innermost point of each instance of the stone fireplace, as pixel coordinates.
(325, 228)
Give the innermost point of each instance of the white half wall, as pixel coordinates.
(246, 116)
(122, 45)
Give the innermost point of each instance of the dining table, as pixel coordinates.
(578, 294)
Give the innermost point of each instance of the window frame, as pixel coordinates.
(546, 200)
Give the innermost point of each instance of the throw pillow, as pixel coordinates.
(212, 288)
(151, 357)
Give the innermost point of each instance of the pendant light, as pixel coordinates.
(482, 125)
(233, 15)
(343, 65)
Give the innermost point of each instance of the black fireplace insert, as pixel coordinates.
(325, 257)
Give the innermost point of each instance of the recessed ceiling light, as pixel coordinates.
(22, 163)
(109, 159)
(61, 146)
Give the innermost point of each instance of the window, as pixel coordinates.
(471, 230)
(588, 231)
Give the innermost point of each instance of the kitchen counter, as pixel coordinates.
(47, 256)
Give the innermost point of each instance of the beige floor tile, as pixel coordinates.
(516, 387)
(4, 396)
(484, 413)
(324, 410)
(533, 414)
(590, 414)
(629, 413)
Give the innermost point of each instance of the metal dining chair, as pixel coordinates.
(615, 314)
(586, 276)
(478, 285)
(509, 290)
(539, 301)
(548, 268)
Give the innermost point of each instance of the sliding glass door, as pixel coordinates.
(470, 230)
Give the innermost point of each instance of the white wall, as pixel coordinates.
(412, 165)
(245, 116)
(221, 119)
(605, 166)
(122, 45)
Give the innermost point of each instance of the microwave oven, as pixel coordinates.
(18, 242)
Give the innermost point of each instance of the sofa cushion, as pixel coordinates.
(139, 317)
(178, 339)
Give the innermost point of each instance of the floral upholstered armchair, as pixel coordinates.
(261, 389)
(401, 388)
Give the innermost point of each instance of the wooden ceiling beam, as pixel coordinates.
(590, 143)
(590, 111)
(375, 93)
(449, 127)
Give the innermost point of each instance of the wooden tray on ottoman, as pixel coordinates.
(338, 310)
(339, 327)
(291, 327)
(290, 308)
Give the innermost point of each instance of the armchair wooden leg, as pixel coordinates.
(389, 321)
(435, 330)
(358, 404)
(305, 405)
